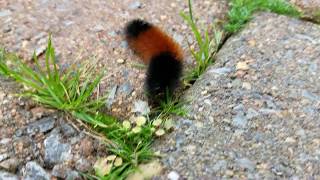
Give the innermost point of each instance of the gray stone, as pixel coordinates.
(135, 5)
(5, 13)
(111, 96)
(178, 37)
(68, 23)
(112, 33)
(239, 121)
(60, 171)
(186, 122)
(33, 171)
(97, 28)
(220, 165)
(221, 71)
(251, 113)
(126, 88)
(173, 175)
(40, 35)
(6, 29)
(124, 44)
(73, 175)
(4, 156)
(76, 139)
(5, 143)
(7, 176)
(55, 150)
(265, 139)
(246, 164)
(141, 107)
(68, 130)
(10, 164)
(239, 108)
(40, 50)
(237, 83)
(282, 170)
(83, 165)
(43, 125)
(266, 111)
(309, 95)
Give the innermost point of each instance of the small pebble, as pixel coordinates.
(173, 5)
(290, 140)
(246, 85)
(97, 28)
(252, 43)
(204, 92)
(163, 17)
(141, 107)
(246, 164)
(229, 173)
(160, 132)
(135, 5)
(242, 66)
(178, 37)
(240, 121)
(173, 175)
(40, 50)
(120, 61)
(5, 13)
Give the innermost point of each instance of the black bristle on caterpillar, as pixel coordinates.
(135, 27)
(163, 74)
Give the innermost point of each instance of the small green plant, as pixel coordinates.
(67, 91)
(207, 45)
(130, 144)
(241, 11)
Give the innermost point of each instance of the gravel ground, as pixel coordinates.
(34, 139)
(255, 114)
(87, 30)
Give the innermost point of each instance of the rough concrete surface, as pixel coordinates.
(254, 114)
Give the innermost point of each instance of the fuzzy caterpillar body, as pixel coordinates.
(160, 52)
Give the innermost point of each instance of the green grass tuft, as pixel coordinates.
(207, 45)
(68, 91)
(133, 148)
(241, 11)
